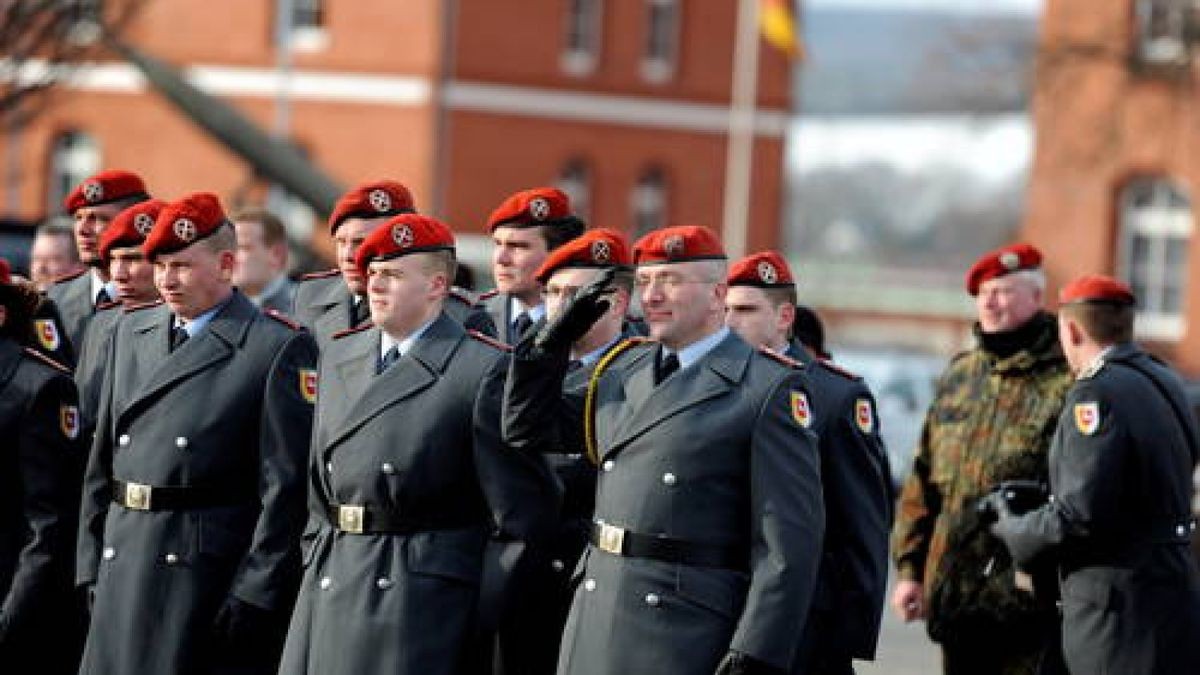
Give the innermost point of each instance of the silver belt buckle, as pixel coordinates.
(137, 496)
(350, 518)
(611, 539)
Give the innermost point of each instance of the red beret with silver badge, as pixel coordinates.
(533, 208)
(183, 223)
(105, 187)
(598, 248)
(1096, 288)
(766, 269)
(1000, 262)
(681, 243)
(130, 227)
(372, 200)
(402, 235)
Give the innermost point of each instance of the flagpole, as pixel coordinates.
(739, 153)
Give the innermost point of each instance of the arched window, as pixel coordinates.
(1155, 230)
(649, 201)
(575, 179)
(581, 48)
(73, 157)
(662, 40)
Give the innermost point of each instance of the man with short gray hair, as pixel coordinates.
(991, 420)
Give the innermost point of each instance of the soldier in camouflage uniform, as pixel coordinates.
(991, 420)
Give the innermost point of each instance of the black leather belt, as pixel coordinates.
(361, 519)
(142, 497)
(622, 542)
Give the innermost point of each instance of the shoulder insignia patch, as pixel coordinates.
(836, 369)
(864, 415)
(69, 276)
(356, 329)
(323, 274)
(781, 358)
(801, 412)
(144, 305)
(490, 341)
(1087, 417)
(283, 319)
(308, 384)
(68, 421)
(47, 334)
(47, 360)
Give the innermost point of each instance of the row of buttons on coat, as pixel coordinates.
(109, 553)
(181, 442)
(382, 583)
(386, 467)
(651, 599)
(668, 478)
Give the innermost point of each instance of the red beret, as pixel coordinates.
(1000, 262)
(1096, 288)
(531, 208)
(681, 243)
(372, 200)
(597, 248)
(5, 272)
(183, 223)
(404, 234)
(104, 187)
(130, 227)
(766, 269)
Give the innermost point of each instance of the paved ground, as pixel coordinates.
(904, 649)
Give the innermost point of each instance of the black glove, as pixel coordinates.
(243, 629)
(577, 316)
(1005, 520)
(737, 663)
(991, 505)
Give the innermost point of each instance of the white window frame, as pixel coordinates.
(659, 68)
(309, 36)
(74, 155)
(1163, 218)
(584, 18)
(1161, 31)
(575, 179)
(649, 199)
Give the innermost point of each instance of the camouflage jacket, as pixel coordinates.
(991, 420)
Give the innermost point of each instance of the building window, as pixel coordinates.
(1155, 232)
(73, 157)
(575, 179)
(1163, 31)
(85, 25)
(585, 18)
(308, 24)
(662, 40)
(649, 201)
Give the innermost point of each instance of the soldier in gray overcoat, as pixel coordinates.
(194, 494)
(409, 475)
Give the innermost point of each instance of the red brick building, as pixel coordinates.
(624, 103)
(1117, 164)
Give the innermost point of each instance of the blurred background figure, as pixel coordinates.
(262, 260)
(53, 253)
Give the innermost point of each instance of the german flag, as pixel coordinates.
(778, 26)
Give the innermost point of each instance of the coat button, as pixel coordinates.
(653, 600)
(608, 465)
(325, 583)
(383, 583)
(558, 565)
(388, 468)
(181, 442)
(1181, 530)
(109, 553)
(329, 467)
(668, 478)
(171, 558)
(589, 585)
(123, 440)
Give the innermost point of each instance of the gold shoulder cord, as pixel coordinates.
(589, 402)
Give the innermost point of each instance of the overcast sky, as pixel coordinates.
(1025, 6)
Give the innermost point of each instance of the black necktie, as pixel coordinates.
(519, 326)
(665, 367)
(103, 297)
(179, 335)
(388, 359)
(359, 311)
